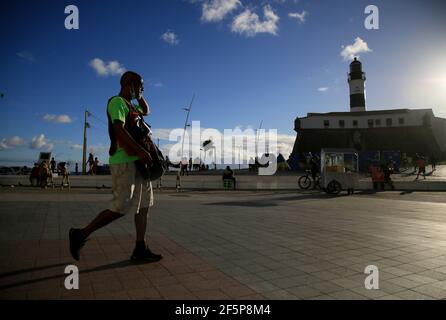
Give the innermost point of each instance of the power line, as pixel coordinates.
(99, 119)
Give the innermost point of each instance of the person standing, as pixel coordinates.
(132, 194)
(315, 169)
(95, 166)
(421, 163)
(45, 174)
(433, 162)
(90, 162)
(34, 177)
(387, 168)
(53, 165)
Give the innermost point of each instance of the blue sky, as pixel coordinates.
(246, 61)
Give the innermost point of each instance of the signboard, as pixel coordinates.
(44, 156)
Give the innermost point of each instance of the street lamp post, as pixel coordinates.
(84, 149)
(188, 109)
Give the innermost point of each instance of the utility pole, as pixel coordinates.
(84, 153)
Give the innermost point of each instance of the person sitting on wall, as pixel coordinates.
(228, 174)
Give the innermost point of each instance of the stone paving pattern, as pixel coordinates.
(228, 245)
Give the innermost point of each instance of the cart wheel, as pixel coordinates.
(304, 182)
(334, 187)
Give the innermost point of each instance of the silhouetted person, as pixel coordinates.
(90, 162)
(387, 168)
(34, 177)
(183, 166)
(421, 163)
(228, 174)
(315, 168)
(415, 162)
(433, 162)
(132, 194)
(63, 172)
(95, 166)
(45, 174)
(53, 165)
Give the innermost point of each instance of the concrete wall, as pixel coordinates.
(288, 182)
(439, 130)
(409, 140)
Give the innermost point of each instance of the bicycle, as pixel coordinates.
(305, 181)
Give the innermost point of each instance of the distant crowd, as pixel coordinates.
(42, 174)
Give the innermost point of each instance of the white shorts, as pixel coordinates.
(130, 191)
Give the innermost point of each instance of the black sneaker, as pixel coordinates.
(141, 255)
(77, 241)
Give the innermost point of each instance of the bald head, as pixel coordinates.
(130, 77)
(131, 84)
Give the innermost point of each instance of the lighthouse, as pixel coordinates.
(356, 81)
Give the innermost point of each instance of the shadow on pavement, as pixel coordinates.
(114, 265)
(276, 201)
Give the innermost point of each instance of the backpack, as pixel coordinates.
(141, 132)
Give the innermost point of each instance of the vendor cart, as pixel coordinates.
(339, 170)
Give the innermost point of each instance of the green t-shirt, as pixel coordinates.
(118, 110)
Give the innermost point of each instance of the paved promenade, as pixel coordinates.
(228, 245)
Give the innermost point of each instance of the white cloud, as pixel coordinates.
(322, 89)
(285, 144)
(103, 69)
(11, 142)
(353, 50)
(161, 133)
(249, 23)
(76, 146)
(26, 55)
(40, 142)
(298, 16)
(170, 37)
(216, 10)
(156, 84)
(63, 118)
(99, 150)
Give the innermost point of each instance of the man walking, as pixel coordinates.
(131, 193)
